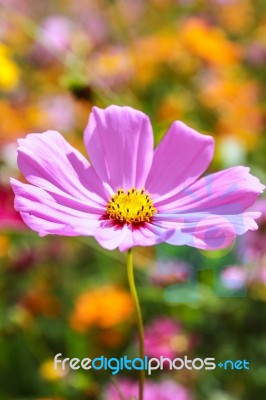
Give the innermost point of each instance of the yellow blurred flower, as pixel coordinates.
(49, 373)
(9, 72)
(103, 307)
(209, 43)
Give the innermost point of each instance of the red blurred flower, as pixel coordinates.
(9, 218)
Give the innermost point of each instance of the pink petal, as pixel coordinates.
(43, 213)
(181, 157)
(109, 235)
(147, 235)
(212, 232)
(119, 141)
(48, 161)
(226, 192)
(211, 212)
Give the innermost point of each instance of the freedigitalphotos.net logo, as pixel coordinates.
(115, 365)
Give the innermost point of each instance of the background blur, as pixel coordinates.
(201, 61)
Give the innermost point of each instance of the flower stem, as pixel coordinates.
(132, 286)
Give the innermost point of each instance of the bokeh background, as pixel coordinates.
(201, 61)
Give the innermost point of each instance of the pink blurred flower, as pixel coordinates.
(53, 40)
(132, 10)
(94, 18)
(164, 390)
(256, 54)
(20, 6)
(60, 111)
(9, 218)
(130, 195)
(165, 337)
(168, 272)
(234, 277)
(256, 241)
(96, 26)
(56, 33)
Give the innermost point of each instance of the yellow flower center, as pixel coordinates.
(131, 207)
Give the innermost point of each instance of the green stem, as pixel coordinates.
(132, 286)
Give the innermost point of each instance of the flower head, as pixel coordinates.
(129, 194)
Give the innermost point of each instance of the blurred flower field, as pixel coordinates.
(201, 62)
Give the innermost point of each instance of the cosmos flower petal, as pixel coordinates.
(230, 191)
(147, 234)
(43, 213)
(110, 235)
(208, 231)
(119, 141)
(181, 157)
(212, 210)
(48, 161)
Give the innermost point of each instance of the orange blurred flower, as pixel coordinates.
(18, 120)
(208, 43)
(4, 245)
(236, 99)
(103, 307)
(235, 16)
(149, 52)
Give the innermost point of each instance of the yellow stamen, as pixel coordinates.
(131, 207)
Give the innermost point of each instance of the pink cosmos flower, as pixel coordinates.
(163, 390)
(167, 272)
(165, 337)
(129, 194)
(234, 277)
(56, 33)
